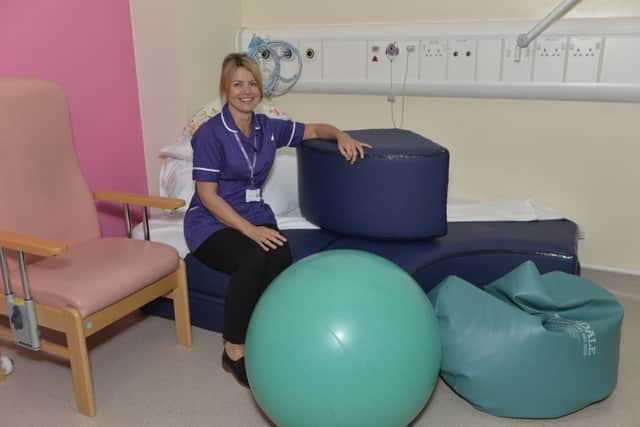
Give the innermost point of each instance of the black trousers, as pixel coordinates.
(251, 268)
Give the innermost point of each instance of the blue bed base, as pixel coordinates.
(479, 252)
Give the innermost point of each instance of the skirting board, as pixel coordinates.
(624, 283)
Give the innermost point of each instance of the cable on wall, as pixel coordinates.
(392, 51)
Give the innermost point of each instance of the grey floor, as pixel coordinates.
(142, 378)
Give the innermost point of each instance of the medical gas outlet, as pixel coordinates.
(392, 51)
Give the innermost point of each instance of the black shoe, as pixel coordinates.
(236, 367)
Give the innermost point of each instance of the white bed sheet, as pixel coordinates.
(168, 227)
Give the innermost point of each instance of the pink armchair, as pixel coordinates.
(79, 282)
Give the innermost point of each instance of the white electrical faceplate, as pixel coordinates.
(461, 63)
(433, 59)
(574, 59)
(621, 60)
(550, 55)
(489, 61)
(584, 59)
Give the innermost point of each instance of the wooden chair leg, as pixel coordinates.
(80, 368)
(180, 298)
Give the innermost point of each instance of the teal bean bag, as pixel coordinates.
(529, 345)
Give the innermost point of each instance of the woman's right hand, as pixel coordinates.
(266, 237)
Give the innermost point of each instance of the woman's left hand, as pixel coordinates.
(350, 148)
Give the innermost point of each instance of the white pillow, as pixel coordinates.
(281, 187)
(180, 150)
(176, 180)
(280, 190)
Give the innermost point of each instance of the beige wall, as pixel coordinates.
(179, 46)
(573, 156)
(312, 12)
(576, 157)
(207, 33)
(155, 41)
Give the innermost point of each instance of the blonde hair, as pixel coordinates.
(231, 63)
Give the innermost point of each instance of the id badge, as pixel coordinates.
(252, 195)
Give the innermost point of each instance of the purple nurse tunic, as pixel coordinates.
(223, 154)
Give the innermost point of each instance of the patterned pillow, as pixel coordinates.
(214, 107)
(182, 149)
(175, 174)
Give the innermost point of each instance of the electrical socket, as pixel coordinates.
(433, 59)
(583, 59)
(550, 55)
(461, 64)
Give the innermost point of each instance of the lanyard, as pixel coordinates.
(252, 166)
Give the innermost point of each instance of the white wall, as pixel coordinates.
(576, 157)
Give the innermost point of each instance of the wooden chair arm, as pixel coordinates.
(138, 199)
(30, 244)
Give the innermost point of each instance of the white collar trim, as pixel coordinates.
(224, 122)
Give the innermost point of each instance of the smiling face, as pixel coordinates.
(242, 93)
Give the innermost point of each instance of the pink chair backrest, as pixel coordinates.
(42, 190)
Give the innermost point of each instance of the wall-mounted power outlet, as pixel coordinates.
(433, 59)
(550, 58)
(583, 59)
(461, 63)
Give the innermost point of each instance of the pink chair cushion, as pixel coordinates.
(77, 278)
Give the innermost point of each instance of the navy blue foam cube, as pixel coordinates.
(398, 191)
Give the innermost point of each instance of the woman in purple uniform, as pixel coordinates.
(228, 226)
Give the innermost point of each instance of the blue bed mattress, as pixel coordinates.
(479, 252)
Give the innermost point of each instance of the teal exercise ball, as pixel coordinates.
(343, 338)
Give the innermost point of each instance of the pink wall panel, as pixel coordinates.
(87, 47)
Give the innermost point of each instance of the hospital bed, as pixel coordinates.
(483, 241)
